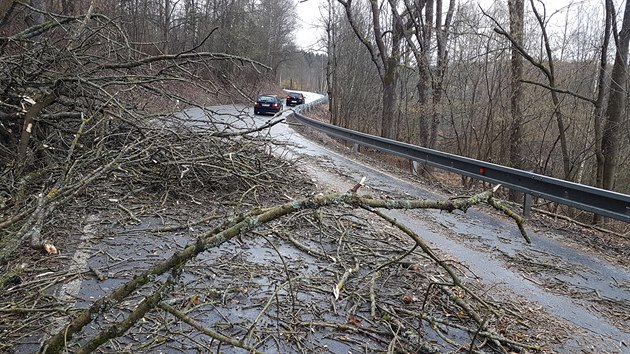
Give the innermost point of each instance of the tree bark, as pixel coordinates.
(616, 103)
(29, 125)
(441, 36)
(424, 70)
(601, 93)
(385, 57)
(549, 73)
(389, 127)
(517, 10)
(599, 102)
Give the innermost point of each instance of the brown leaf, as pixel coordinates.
(354, 321)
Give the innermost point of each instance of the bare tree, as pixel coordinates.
(418, 32)
(385, 56)
(549, 72)
(331, 64)
(441, 36)
(356, 81)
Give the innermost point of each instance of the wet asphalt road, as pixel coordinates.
(490, 245)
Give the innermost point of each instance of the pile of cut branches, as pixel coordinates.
(356, 273)
(80, 110)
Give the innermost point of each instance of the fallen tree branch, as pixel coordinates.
(520, 222)
(485, 334)
(239, 226)
(427, 250)
(118, 329)
(210, 333)
(227, 134)
(582, 224)
(376, 275)
(170, 57)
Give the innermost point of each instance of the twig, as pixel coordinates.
(262, 127)
(373, 295)
(485, 334)
(427, 250)
(474, 338)
(130, 213)
(266, 307)
(344, 279)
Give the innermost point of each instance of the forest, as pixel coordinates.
(536, 85)
(530, 84)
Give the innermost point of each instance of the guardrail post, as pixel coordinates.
(355, 148)
(527, 205)
(414, 167)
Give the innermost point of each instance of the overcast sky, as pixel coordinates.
(309, 16)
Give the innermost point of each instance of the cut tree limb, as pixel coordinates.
(232, 228)
(29, 124)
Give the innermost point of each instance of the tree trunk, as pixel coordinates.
(436, 115)
(330, 63)
(166, 24)
(616, 103)
(441, 36)
(386, 58)
(424, 77)
(390, 98)
(516, 8)
(423, 100)
(599, 104)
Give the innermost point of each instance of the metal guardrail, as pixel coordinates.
(309, 105)
(598, 201)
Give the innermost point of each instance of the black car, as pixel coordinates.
(267, 104)
(294, 99)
